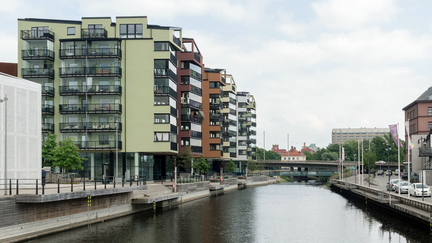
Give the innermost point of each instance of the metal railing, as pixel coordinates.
(67, 185)
(94, 33)
(97, 126)
(176, 41)
(91, 108)
(90, 71)
(90, 52)
(48, 109)
(37, 35)
(37, 54)
(98, 145)
(37, 72)
(47, 90)
(92, 89)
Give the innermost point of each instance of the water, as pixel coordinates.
(275, 213)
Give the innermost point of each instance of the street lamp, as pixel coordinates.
(5, 143)
(355, 171)
(116, 141)
(421, 145)
(367, 151)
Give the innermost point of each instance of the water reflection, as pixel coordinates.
(286, 212)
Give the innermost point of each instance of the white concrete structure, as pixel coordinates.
(24, 156)
(340, 135)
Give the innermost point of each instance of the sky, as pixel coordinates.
(312, 65)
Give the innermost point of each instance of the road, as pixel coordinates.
(380, 182)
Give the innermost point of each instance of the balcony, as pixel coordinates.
(176, 41)
(191, 118)
(94, 33)
(37, 73)
(48, 127)
(37, 35)
(215, 117)
(90, 127)
(192, 104)
(47, 91)
(98, 145)
(165, 72)
(37, 55)
(173, 146)
(197, 57)
(91, 53)
(47, 110)
(164, 89)
(215, 105)
(173, 59)
(90, 90)
(101, 108)
(90, 72)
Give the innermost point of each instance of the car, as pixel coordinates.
(414, 176)
(404, 187)
(388, 172)
(380, 172)
(396, 172)
(392, 184)
(419, 189)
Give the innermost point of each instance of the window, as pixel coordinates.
(131, 31)
(103, 139)
(430, 111)
(161, 118)
(429, 125)
(214, 85)
(161, 46)
(161, 136)
(71, 30)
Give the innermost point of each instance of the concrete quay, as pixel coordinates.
(375, 193)
(25, 216)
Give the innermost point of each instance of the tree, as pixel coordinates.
(308, 155)
(369, 160)
(202, 165)
(269, 155)
(47, 149)
(184, 159)
(230, 166)
(66, 156)
(329, 156)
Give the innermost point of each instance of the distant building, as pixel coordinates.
(275, 148)
(9, 68)
(309, 149)
(293, 154)
(340, 135)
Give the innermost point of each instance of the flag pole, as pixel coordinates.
(408, 158)
(397, 144)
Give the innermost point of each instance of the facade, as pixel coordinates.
(275, 148)
(340, 135)
(24, 155)
(9, 68)
(112, 86)
(246, 139)
(190, 98)
(293, 154)
(419, 115)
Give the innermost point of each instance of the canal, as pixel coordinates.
(286, 212)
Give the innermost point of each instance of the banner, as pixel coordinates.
(410, 145)
(395, 135)
(343, 154)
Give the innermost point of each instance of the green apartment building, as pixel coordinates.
(112, 86)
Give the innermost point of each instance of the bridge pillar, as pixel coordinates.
(291, 168)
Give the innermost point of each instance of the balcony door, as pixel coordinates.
(104, 103)
(104, 49)
(104, 86)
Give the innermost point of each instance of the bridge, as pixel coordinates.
(318, 165)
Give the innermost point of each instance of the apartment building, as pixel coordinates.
(340, 135)
(190, 98)
(229, 118)
(112, 86)
(246, 146)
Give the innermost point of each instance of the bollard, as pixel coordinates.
(71, 185)
(95, 179)
(36, 186)
(58, 185)
(114, 181)
(83, 184)
(130, 180)
(43, 189)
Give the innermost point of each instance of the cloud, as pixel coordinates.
(351, 14)
(8, 47)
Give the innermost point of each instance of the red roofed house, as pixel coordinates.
(293, 154)
(275, 148)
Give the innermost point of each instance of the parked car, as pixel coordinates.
(396, 172)
(413, 176)
(416, 190)
(404, 187)
(388, 172)
(392, 184)
(380, 172)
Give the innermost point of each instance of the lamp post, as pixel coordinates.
(116, 141)
(367, 151)
(422, 142)
(355, 170)
(5, 144)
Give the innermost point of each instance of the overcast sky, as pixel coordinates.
(311, 65)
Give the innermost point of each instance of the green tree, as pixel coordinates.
(251, 165)
(329, 156)
(269, 155)
(66, 156)
(317, 155)
(309, 156)
(369, 160)
(230, 166)
(351, 148)
(184, 159)
(202, 165)
(47, 149)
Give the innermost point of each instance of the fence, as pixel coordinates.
(41, 186)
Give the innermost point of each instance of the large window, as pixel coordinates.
(131, 31)
(71, 30)
(430, 111)
(103, 139)
(161, 118)
(429, 125)
(161, 136)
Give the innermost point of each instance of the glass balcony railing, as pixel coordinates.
(192, 104)
(104, 108)
(47, 110)
(99, 145)
(48, 127)
(37, 35)
(197, 57)
(37, 55)
(90, 71)
(91, 53)
(165, 89)
(37, 73)
(90, 127)
(47, 91)
(94, 33)
(176, 41)
(191, 118)
(165, 72)
(90, 89)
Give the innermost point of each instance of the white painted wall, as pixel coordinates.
(24, 135)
